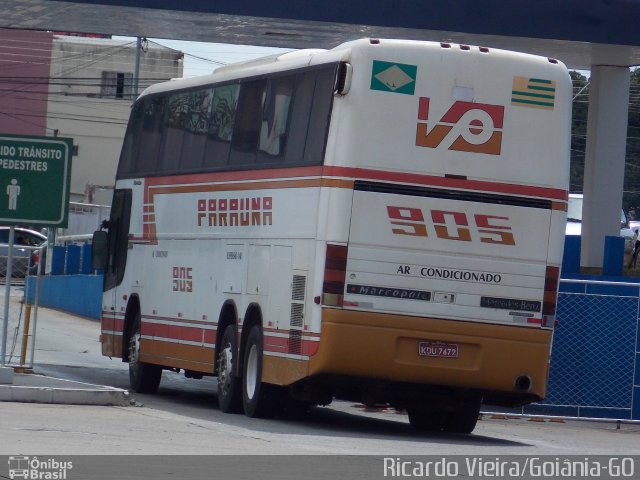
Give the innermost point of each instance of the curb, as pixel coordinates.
(49, 390)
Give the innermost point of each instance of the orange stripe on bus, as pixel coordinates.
(441, 181)
(242, 175)
(222, 187)
(275, 178)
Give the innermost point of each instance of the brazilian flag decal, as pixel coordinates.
(393, 77)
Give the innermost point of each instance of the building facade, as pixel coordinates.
(82, 88)
(25, 63)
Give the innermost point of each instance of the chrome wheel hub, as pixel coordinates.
(225, 371)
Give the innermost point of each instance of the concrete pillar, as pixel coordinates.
(604, 160)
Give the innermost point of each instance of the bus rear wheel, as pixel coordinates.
(229, 399)
(426, 418)
(435, 418)
(260, 399)
(464, 418)
(143, 377)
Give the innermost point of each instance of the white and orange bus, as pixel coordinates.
(380, 222)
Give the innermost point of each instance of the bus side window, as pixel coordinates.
(151, 134)
(143, 139)
(221, 121)
(128, 164)
(175, 121)
(196, 129)
(319, 119)
(309, 122)
(299, 121)
(246, 131)
(275, 120)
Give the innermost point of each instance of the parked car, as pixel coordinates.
(574, 223)
(26, 241)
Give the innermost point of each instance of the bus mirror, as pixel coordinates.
(99, 250)
(343, 79)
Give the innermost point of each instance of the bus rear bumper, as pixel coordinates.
(508, 363)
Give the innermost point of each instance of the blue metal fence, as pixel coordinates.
(595, 364)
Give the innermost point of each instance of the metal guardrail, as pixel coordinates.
(66, 239)
(600, 282)
(21, 316)
(84, 219)
(22, 263)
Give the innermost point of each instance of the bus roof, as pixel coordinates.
(258, 66)
(302, 58)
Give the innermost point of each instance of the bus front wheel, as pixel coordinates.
(143, 377)
(259, 399)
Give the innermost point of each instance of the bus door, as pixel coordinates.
(118, 245)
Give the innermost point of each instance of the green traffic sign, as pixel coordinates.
(35, 175)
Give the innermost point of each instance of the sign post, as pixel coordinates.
(35, 175)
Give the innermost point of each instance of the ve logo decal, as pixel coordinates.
(465, 127)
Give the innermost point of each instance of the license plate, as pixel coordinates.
(437, 349)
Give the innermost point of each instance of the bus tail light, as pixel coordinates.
(335, 269)
(550, 296)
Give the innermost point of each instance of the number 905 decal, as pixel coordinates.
(449, 225)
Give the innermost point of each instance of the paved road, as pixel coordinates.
(183, 419)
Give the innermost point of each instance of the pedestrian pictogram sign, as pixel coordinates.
(35, 174)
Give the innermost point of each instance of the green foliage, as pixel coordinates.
(631, 196)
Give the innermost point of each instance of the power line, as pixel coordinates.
(215, 62)
(77, 118)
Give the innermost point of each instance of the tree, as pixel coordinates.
(578, 130)
(631, 197)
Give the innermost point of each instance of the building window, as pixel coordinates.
(116, 85)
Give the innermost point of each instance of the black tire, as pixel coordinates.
(259, 399)
(426, 418)
(229, 387)
(464, 418)
(143, 377)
